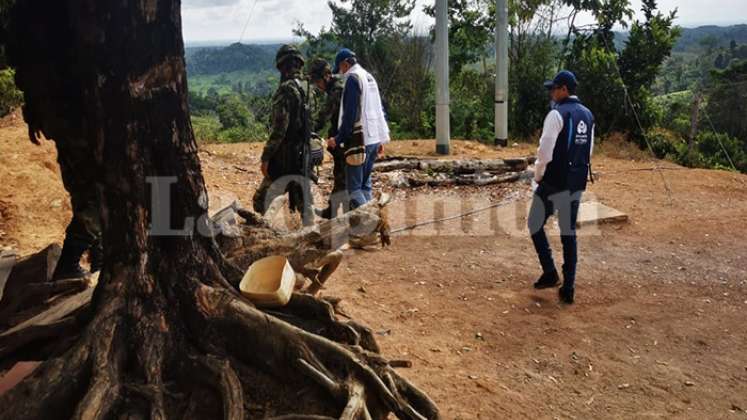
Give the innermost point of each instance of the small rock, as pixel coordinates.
(362, 289)
(735, 407)
(479, 336)
(384, 332)
(689, 383)
(623, 386)
(474, 377)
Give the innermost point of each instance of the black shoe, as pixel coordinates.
(547, 281)
(70, 273)
(96, 254)
(68, 266)
(324, 214)
(566, 295)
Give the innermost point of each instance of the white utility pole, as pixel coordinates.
(443, 130)
(501, 71)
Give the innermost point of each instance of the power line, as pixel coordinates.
(638, 121)
(248, 19)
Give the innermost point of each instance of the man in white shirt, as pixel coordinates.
(363, 129)
(561, 172)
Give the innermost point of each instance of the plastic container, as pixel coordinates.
(269, 282)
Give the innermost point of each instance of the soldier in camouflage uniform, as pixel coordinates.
(57, 95)
(329, 112)
(282, 164)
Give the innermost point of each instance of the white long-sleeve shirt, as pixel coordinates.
(551, 130)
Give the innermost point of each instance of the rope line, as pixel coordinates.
(657, 168)
(713, 128)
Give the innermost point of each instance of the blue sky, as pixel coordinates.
(213, 20)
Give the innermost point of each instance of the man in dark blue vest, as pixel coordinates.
(561, 171)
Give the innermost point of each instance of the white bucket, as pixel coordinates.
(269, 282)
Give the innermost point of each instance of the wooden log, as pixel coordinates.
(464, 166)
(63, 308)
(479, 180)
(397, 165)
(453, 166)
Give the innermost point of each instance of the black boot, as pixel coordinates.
(566, 295)
(96, 254)
(324, 213)
(547, 281)
(328, 213)
(68, 266)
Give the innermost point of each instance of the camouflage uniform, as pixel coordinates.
(84, 230)
(51, 104)
(329, 112)
(281, 150)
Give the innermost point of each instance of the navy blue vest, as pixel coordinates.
(571, 157)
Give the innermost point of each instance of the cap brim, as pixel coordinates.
(336, 70)
(549, 84)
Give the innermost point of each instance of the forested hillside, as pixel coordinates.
(235, 57)
(691, 38)
(675, 91)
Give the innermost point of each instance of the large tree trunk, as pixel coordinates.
(167, 335)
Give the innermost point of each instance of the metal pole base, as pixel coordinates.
(442, 149)
(501, 142)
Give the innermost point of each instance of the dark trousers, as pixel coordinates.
(544, 205)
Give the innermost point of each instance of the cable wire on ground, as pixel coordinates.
(503, 203)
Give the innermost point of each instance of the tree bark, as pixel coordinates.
(110, 77)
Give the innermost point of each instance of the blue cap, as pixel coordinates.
(564, 78)
(343, 55)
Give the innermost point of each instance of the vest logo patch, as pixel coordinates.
(582, 131)
(582, 128)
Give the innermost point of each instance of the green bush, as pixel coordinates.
(206, 128)
(664, 143)
(10, 96)
(714, 147)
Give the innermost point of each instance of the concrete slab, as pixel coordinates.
(594, 213)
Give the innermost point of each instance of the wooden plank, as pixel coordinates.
(59, 310)
(7, 261)
(594, 213)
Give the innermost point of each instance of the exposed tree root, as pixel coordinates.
(334, 367)
(312, 252)
(227, 382)
(303, 340)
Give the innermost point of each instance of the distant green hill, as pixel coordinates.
(233, 58)
(722, 36)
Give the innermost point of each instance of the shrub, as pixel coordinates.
(10, 96)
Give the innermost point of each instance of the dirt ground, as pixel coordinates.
(659, 325)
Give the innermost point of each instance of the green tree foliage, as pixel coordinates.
(230, 117)
(471, 26)
(10, 96)
(727, 103)
(605, 72)
(233, 113)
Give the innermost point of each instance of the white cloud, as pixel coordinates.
(273, 19)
